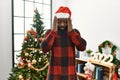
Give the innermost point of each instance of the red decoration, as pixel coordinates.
(89, 74)
(26, 38)
(28, 79)
(22, 58)
(21, 64)
(115, 77)
(32, 32)
(40, 39)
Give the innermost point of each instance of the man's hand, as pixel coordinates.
(55, 24)
(69, 25)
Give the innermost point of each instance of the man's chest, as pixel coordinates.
(62, 41)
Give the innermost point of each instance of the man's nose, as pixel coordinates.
(62, 24)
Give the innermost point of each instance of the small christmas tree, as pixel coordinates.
(32, 63)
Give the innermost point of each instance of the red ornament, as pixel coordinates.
(22, 58)
(28, 79)
(26, 38)
(115, 77)
(40, 39)
(21, 64)
(89, 74)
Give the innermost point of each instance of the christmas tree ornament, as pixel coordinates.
(39, 59)
(34, 61)
(40, 39)
(25, 42)
(20, 77)
(35, 40)
(21, 64)
(22, 58)
(26, 38)
(26, 54)
(30, 39)
(29, 64)
(41, 52)
(35, 50)
(28, 79)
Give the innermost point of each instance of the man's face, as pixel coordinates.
(62, 23)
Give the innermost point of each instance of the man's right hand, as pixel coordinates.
(55, 24)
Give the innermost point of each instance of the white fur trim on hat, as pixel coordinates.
(62, 15)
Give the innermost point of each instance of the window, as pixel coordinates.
(22, 18)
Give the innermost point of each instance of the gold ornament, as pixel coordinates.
(34, 61)
(20, 77)
(26, 54)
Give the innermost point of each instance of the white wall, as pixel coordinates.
(97, 20)
(5, 39)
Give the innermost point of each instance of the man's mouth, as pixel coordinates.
(62, 27)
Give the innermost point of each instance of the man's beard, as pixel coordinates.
(62, 30)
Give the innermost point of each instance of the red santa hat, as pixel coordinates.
(63, 12)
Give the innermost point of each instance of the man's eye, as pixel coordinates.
(62, 21)
(65, 21)
(59, 21)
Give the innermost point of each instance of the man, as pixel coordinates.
(61, 40)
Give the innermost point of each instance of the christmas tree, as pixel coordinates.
(32, 62)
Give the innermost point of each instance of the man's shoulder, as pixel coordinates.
(48, 30)
(76, 30)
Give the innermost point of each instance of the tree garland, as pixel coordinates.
(32, 67)
(113, 52)
(40, 69)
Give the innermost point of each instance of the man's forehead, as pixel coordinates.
(62, 19)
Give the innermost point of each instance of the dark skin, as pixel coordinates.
(62, 22)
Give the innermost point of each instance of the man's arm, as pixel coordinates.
(49, 37)
(78, 41)
(48, 41)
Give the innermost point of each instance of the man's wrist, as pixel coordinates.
(72, 30)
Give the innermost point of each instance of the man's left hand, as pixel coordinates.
(69, 25)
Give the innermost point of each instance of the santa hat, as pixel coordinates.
(63, 12)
